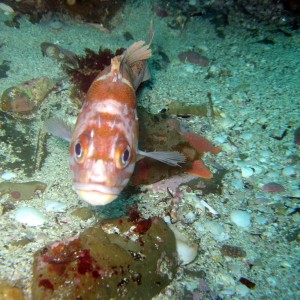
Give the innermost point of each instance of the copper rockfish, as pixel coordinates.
(104, 144)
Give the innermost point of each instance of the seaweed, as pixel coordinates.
(97, 11)
(4, 67)
(86, 67)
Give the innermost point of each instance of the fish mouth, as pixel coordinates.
(96, 194)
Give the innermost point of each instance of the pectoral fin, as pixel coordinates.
(58, 128)
(172, 158)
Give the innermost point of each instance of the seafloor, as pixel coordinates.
(254, 79)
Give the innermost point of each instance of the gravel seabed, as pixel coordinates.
(258, 99)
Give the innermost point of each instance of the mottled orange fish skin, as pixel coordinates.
(104, 145)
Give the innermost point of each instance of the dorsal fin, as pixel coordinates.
(136, 52)
(115, 67)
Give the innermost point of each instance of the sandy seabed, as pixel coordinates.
(255, 87)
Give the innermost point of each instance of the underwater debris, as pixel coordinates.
(162, 133)
(279, 138)
(58, 53)
(211, 106)
(182, 109)
(194, 58)
(24, 99)
(109, 260)
(21, 190)
(247, 283)
(233, 251)
(172, 183)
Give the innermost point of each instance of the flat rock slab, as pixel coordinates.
(115, 259)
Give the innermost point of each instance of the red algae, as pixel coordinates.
(273, 187)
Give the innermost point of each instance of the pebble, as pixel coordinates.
(238, 184)
(242, 290)
(29, 216)
(296, 193)
(190, 217)
(247, 136)
(224, 279)
(227, 122)
(273, 187)
(217, 230)
(220, 139)
(186, 250)
(7, 175)
(241, 218)
(261, 220)
(54, 206)
(288, 171)
(247, 172)
(6, 9)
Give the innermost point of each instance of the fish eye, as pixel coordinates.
(78, 151)
(123, 157)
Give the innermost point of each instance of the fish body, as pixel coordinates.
(104, 144)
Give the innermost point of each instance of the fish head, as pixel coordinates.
(102, 162)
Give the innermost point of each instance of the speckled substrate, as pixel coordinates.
(256, 90)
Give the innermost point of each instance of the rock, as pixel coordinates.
(54, 206)
(9, 292)
(83, 213)
(114, 259)
(21, 190)
(194, 58)
(58, 53)
(273, 187)
(29, 216)
(241, 218)
(25, 98)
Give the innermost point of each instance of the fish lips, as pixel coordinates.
(96, 194)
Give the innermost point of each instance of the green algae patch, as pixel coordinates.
(22, 190)
(115, 259)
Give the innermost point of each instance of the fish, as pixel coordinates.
(104, 143)
(164, 132)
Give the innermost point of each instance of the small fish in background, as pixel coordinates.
(104, 144)
(162, 132)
